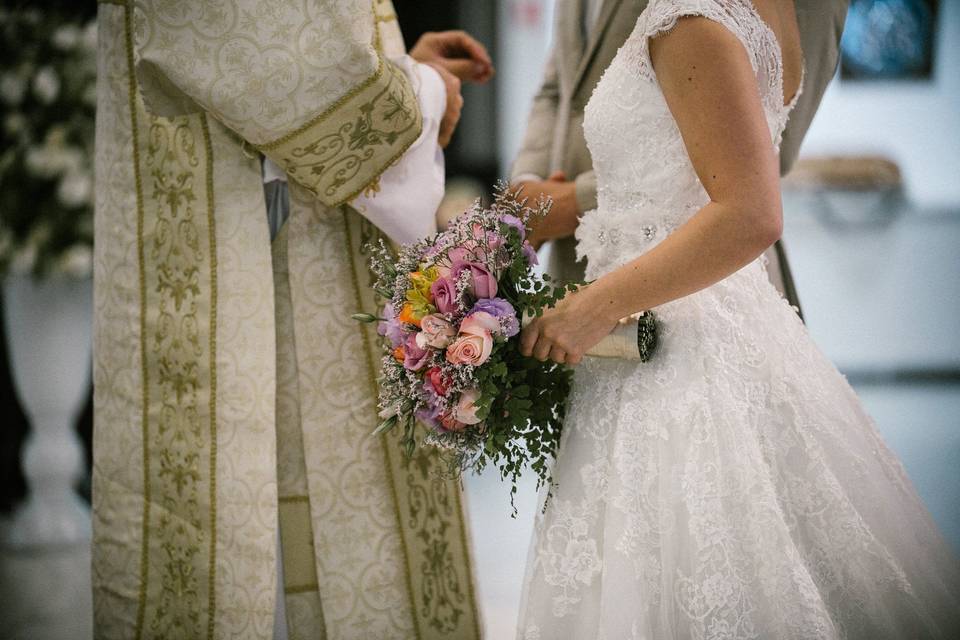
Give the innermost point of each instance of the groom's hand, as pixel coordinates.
(457, 52)
(454, 105)
(564, 215)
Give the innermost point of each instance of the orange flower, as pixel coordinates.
(399, 354)
(408, 315)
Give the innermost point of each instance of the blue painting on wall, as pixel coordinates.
(888, 40)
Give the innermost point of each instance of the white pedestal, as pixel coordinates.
(44, 547)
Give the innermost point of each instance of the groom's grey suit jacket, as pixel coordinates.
(554, 139)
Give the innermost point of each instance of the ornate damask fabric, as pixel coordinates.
(184, 497)
(733, 487)
(232, 390)
(287, 66)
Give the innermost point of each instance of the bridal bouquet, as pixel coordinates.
(452, 375)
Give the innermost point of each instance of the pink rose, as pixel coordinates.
(475, 341)
(480, 323)
(470, 349)
(482, 282)
(435, 332)
(444, 295)
(414, 357)
(494, 240)
(449, 423)
(438, 381)
(463, 253)
(466, 409)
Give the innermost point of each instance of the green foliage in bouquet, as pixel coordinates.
(47, 107)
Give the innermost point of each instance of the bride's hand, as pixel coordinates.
(567, 331)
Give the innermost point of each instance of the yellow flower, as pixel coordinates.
(418, 296)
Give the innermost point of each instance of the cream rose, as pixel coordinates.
(480, 323)
(435, 332)
(466, 409)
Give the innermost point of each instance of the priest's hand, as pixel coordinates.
(457, 52)
(451, 116)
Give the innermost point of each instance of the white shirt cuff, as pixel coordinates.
(410, 190)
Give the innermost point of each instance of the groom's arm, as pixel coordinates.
(310, 89)
(532, 169)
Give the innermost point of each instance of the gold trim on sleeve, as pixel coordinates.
(341, 151)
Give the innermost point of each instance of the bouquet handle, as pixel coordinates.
(634, 338)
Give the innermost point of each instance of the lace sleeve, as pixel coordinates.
(737, 16)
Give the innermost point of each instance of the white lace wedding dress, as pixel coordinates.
(733, 487)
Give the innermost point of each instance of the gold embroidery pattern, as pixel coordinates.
(432, 509)
(383, 11)
(337, 160)
(350, 218)
(428, 507)
(179, 272)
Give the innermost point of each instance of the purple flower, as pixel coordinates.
(502, 311)
(461, 254)
(430, 413)
(516, 223)
(444, 292)
(482, 282)
(415, 358)
(530, 254)
(391, 328)
(494, 240)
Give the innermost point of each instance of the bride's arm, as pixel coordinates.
(712, 92)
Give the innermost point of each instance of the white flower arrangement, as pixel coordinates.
(47, 107)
